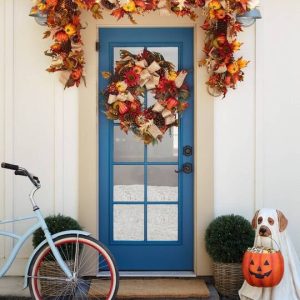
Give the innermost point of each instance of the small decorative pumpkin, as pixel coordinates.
(263, 268)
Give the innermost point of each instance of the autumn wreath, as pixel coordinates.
(133, 76)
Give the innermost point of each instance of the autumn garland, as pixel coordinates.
(133, 77)
(63, 20)
(221, 28)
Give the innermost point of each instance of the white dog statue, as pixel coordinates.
(271, 223)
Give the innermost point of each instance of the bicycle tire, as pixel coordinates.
(48, 281)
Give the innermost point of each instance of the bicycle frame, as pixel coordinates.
(22, 238)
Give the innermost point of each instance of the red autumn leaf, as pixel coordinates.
(206, 25)
(140, 3)
(118, 13)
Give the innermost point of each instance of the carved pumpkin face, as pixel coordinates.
(263, 269)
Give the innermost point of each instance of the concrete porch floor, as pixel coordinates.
(11, 288)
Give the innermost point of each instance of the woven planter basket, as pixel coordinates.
(228, 278)
(52, 287)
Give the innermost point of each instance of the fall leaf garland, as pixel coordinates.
(64, 26)
(133, 77)
(221, 28)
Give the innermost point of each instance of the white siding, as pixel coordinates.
(257, 139)
(38, 124)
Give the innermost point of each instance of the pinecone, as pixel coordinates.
(149, 114)
(65, 7)
(70, 5)
(116, 77)
(123, 71)
(161, 72)
(76, 39)
(221, 27)
(107, 4)
(66, 47)
(159, 120)
(129, 117)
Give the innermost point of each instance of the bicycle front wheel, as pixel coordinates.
(95, 272)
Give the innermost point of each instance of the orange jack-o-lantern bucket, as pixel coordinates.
(263, 267)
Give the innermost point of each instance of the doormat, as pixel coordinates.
(153, 288)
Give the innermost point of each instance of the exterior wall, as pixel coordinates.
(257, 148)
(38, 126)
(248, 150)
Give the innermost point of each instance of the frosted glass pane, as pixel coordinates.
(128, 183)
(162, 222)
(128, 222)
(162, 183)
(127, 147)
(150, 99)
(133, 50)
(167, 149)
(169, 54)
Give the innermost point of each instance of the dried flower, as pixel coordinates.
(233, 68)
(129, 6)
(132, 78)
(70, 29)
(214, 4)
(121, 86)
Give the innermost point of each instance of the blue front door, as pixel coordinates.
(146, 215)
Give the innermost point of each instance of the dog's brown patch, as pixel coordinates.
(282, 220)
(254, 220)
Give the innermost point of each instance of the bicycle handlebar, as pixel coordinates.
(23, 172)
(9, 166)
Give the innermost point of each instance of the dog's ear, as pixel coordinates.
(254, 220)
(282, 220)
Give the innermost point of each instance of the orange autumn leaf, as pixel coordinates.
(118, 13)
(141, 4)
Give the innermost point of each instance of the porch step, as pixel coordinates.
(158, 288)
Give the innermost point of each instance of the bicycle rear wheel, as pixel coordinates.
(96, 272)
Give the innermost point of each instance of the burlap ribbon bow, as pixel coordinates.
(149, 77)
(169, 117)
(150, 128)
(126, 96)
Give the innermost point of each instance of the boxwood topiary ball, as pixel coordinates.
(55, 223)
(228, 237)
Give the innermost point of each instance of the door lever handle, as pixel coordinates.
(187, 168)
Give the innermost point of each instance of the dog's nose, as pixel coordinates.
(262, 230)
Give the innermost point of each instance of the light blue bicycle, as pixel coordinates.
(66, 265)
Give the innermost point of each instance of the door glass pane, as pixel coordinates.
(128, 222)
(162, 222)
(169, 54)
(162, 183)
(150, 99)
(128, 183)
(167, 149)
(133, 50)
(127, 147)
